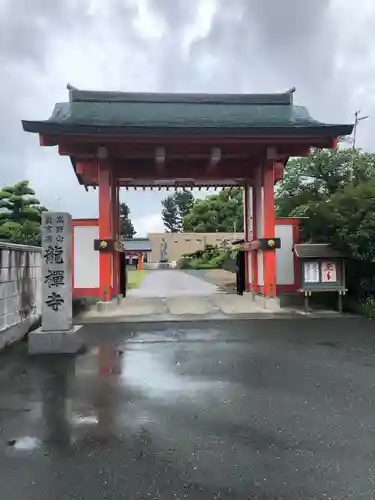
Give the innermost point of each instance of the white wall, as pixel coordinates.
(20, 290)
(284, 255)
(86, 259)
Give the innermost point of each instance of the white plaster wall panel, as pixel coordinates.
(260, 211)
(284, 255)
(260, 268)
(86, 259)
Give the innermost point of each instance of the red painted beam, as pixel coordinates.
(214, 141)
(181, 151)
(47, 140)
(278, 171)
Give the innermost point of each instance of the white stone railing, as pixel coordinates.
(20, 290)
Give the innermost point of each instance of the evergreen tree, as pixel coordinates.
(170, 215)
(20, 215)
(127, 229)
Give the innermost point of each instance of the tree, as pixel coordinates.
(170, 215)
(20, 217)
(175, 207)
(334, 193)
(310, 183)
(127, 229)
(185, 202)
(222, 212)
(346, 219)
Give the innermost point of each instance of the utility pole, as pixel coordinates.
(357, 119)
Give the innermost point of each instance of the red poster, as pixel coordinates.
(329, 272)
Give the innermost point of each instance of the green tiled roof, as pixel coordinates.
(101, 113)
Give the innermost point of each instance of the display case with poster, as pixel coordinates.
(322, 270)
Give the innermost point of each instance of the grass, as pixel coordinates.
(135, 278)
(368, 307)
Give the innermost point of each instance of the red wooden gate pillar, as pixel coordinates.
(105, 231)
(255, 194)
(115, 208)
(250, 232)
(262, 220)
(246, 224)
(269, 256)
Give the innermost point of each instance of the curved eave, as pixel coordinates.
(79, 177)
(320, 130)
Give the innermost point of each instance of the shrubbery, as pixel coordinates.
(212, 257)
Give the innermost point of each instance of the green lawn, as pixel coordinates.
(135, 278)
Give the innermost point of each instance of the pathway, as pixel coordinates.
(172, 283)
(169, 295)
(213, 410)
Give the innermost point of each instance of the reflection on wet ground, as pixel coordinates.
(256, 409)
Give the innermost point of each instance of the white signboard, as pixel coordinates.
(311, 272)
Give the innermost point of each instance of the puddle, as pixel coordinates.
(25, 443)
(155, 377)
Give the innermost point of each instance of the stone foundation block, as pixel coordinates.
(55, 342)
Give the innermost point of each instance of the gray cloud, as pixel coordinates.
(28, 27)
(323, 47)
(262, 44)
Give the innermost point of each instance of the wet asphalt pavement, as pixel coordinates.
(263, 409)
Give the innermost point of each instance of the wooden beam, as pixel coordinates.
(185, 171)
(278, 171)
(102, 153)
(155, 140)
(47, 140)
(214, 159)
(181, 151)
(160, 160)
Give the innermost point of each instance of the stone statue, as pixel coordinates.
(163, 251)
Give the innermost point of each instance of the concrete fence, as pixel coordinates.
(20, 290)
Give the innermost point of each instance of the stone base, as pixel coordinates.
(270, 303)
(110, 305)
(165, 265)
(47, 342)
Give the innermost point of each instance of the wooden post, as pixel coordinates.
(104, 228)
(339, 302)
(306, 302)
(115, 232)
(269, 256)
(140, 262)
(254, 254)
(247, 235)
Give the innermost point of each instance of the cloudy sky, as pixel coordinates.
(326, 48)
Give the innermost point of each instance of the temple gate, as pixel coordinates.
(140, 140)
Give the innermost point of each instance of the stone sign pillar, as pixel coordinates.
(57, 333)
(57, 314)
